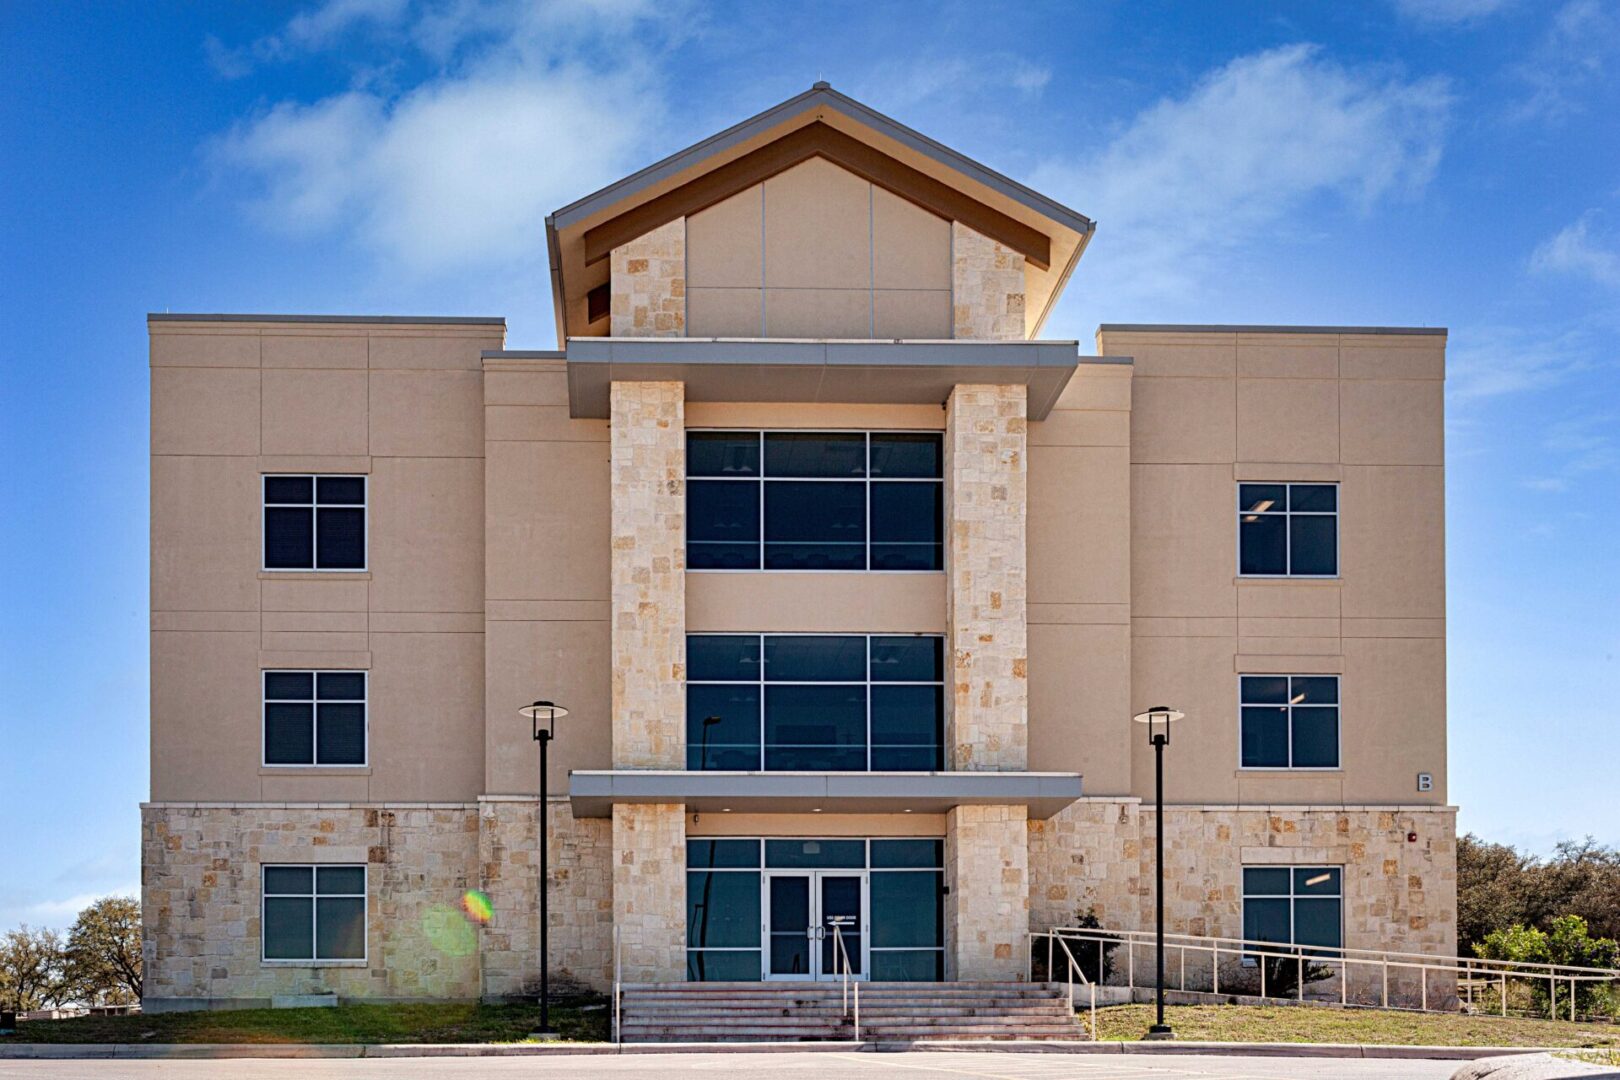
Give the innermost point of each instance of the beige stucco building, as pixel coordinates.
(850, 580)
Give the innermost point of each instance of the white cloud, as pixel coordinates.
(57, 913)
(1192, 179)
(1490, 361)
(312, 29)
(1574, 250)
(1578, 49)
(460, 169)
(937, 82)
(1449, 12)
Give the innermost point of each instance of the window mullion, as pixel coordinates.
(761, 638)
(1288, 529)
(1288, 715)
(314, 920)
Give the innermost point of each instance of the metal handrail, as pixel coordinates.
(845, 978)
(618, 986)
(1469, 972)
(1074, 969)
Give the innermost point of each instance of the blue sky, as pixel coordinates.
(1423, 162)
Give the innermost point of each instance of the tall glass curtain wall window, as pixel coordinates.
(1288, 530)
(724, 904)
(810, 702)
(807, 500)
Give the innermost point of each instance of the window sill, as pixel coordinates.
(722, 570)
(314, 575)
(315, 963)
(1266, 771)
(1292, 579)
(314, 770)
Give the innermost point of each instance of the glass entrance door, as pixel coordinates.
(801, 909)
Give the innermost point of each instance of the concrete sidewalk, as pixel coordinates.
(180, 1051)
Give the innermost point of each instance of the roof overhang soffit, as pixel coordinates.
(818, 139)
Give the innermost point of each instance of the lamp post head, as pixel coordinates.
(1158, 720)
(543, 715)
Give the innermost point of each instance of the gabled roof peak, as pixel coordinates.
(818, 122)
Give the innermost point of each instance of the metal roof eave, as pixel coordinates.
(825, 96)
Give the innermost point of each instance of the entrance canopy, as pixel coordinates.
(593, 793)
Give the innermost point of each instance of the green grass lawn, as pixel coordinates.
(1305, 1023)
(464, 1023)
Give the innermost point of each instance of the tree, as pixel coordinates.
(103, 955)
(1569, 942)
(1497, 888)
(31, 970)
(1492, 890)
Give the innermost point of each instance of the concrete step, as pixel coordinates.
(803, 1012)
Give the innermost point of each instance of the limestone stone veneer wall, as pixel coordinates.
(200, 899)
(648, 287)
(649, 890)
(648, 423)
(1400, 894)
(986, 559)
(987, 287)
(580, 901)
(987, 898)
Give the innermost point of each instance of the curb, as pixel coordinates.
(195, 1051)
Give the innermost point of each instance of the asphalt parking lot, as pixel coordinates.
(778, 1066)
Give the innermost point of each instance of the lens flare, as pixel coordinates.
(448, 931)
(477, 906)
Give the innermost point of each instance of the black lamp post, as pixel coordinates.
(543, 715)
(1158, 720)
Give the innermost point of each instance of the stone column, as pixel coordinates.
(647, 295)
(987, 288)
(985, 569)
(987, 905)
(649, 574)
(649, 890)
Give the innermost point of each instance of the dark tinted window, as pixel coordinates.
(815, 454)
(1288, 529)
(805, 702)
(892, 854)
(815, 658)
(1289, 721)
(722, 453)
(314, 913)
(340, 928)
(1263, 539)
(722, 727)
(722, 911)
(806, 500)
(724, 854)
(315, 522)
(815, 526)
(314, 718)
(908, 659)
(289, 489)
(722, 525)
(1294, 906)
(722, 658)
(825, 854)
(289, 538)
(907, 455)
